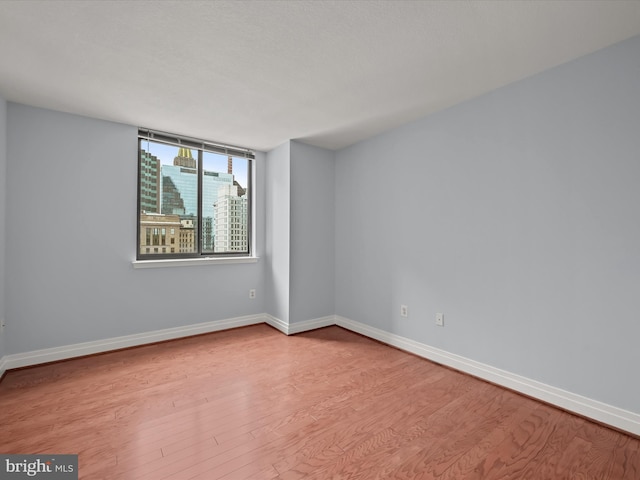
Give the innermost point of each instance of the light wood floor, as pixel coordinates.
(328, 404)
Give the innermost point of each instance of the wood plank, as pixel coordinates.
(253, 403)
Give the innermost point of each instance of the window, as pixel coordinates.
(194, 191)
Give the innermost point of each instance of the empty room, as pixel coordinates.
(289, 239)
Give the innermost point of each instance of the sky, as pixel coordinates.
(212, 161)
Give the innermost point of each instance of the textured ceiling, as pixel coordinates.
(258, 73)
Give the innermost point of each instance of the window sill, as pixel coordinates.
(190, 262)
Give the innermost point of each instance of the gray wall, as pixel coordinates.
(517, 215)
(312, 232)
(277, 199)
(3, 191)
(71, 196)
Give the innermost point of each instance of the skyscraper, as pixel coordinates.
(149, 182)
(230, 221)
(180, 192)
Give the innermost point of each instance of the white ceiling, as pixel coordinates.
(258, 73)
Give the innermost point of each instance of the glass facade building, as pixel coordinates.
(180, 196)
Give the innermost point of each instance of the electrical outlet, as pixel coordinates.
(440, 319)
(404, 311)
(252, 293)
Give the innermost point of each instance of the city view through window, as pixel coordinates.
(180, 216)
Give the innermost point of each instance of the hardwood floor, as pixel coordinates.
(328, 404)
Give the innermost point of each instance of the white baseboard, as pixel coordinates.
(277, 323)
(299, 327)
(593, 409)
(314, 324)
(3, 366)
(99, 346)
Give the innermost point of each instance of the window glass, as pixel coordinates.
(192, 197)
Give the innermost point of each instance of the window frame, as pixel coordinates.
(148, 135)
